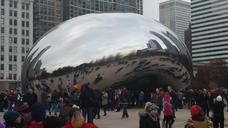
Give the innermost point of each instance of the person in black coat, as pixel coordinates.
(218, 113)
(87, 101)
(149, 117)
(30, 98)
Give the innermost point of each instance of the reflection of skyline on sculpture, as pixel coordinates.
(83, 34)
(86, 41)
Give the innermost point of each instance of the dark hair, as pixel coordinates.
(52, 122)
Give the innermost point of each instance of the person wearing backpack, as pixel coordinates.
(168, 119)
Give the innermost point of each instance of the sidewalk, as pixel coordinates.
(113, 119)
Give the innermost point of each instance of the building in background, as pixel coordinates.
(73, 8)
(176, 15)
(16, 38)
(209, 26)
(47, 14)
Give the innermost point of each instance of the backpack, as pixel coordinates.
(167, 109)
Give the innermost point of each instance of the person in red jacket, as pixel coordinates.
(168, 112)
(77, 121)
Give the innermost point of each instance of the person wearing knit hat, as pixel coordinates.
(13, 119)
(149, 118)
(198, 119)
(218, 112)
(195, 110)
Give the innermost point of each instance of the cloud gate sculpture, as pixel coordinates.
(108, 50)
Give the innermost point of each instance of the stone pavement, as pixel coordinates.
(113, 119)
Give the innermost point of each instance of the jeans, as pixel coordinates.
(88, 114)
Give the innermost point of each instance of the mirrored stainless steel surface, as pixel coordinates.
(107, 50)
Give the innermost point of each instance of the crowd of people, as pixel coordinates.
(200, 103)
(78, 108)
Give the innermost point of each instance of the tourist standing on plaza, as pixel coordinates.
(202, 100)
(11, 98)
(168, 119)
(198, 119)
(180, 99)
(141, 98)
(87, 102)
(98, 99)
(124, 102)
(104, 102)
(54, 103)
(149, 118)
(218, 113)
(30, 97)
(157, 99)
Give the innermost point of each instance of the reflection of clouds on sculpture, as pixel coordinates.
(104, 39)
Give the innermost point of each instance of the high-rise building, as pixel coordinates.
(16, 38)
(209, 26)
(47, 14)
(176, 15)
(73, 8)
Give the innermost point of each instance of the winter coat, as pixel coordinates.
(167, 106)
(104, 99)
(87, 98)
(30, 99)
(146, 121)
(34, 124)
(218, 111)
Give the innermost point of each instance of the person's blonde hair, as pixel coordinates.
(77, 119)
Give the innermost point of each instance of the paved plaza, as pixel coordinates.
(113, 120)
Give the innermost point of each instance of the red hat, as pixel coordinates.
(195, 110)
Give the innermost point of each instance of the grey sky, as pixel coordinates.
(151, 8)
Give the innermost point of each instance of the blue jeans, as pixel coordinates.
(88, 114)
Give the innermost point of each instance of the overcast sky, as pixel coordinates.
(151, 8)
